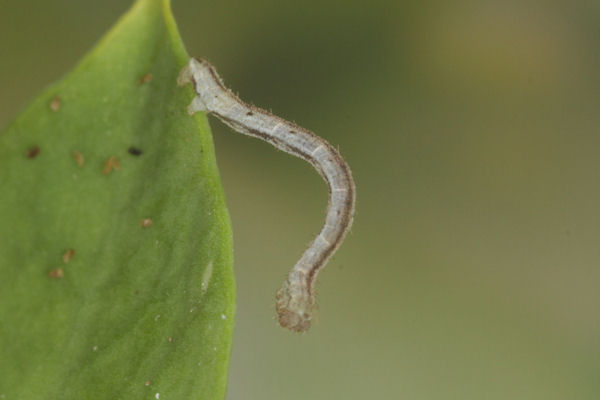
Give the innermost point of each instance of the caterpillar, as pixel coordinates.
(295, 300)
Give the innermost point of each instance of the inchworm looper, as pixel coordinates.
(296, 298)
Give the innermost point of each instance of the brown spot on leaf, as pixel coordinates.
(110, 164)
(170, 339)
(33, 152)
(68, 255)
(146, 222)
(55, 103)
(145, 79)
(56, 273)
(79, 159)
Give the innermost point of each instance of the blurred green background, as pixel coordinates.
(473, 268)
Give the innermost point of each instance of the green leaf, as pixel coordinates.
(140, 312)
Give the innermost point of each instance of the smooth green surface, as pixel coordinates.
(104, 330)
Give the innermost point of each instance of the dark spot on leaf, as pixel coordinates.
(135, 151)
(249, 113)
(33, 152)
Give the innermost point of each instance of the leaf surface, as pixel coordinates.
(143, 306)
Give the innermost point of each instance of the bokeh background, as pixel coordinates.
(472, 127)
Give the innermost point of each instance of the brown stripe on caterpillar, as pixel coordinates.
(296, 298)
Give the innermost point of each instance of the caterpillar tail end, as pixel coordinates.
(295, 305)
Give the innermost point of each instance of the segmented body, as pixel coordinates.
(296, 299)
